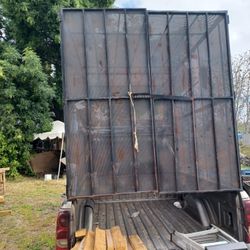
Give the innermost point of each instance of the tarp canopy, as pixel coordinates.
(57, 131)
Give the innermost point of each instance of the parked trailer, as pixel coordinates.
(149, 116)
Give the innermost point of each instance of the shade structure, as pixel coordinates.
(56, 132)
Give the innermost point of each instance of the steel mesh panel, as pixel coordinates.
(165, 145)
(185, 168)
(224, 133)
(206, 155)
(199, 56)
(118, 73)
(76, 139)
(73, 60)
(161, 78)
(219, 59)
(179, 55)
(135, 22)
(124, 163)
(100, 136)
(93, 21)
(115, 22)
(138, 63)
(102, 174)
(145, 154)
(160, 64)
(116, 52)
(157, 24)
(97, 66)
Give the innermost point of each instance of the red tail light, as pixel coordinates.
(246, 204)
(63, 230)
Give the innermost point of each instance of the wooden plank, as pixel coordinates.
(89, 241)
(100, 239)
(1, 199)
(129, 245)
(5, 212)
(136, 242)
(76, 246)
(109, 240)
(119, 240)
(80, 233)
(125, 242)
(3, 170)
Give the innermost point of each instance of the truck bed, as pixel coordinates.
(153, 220)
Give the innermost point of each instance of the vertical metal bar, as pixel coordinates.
(65, 105)
(212, 104)
(221, 61)
(172, 104)
(192, 103)
(135, 162)
(232, 100)
(152, 112)
(91, 170)
(110, 107)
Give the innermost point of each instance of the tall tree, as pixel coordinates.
(25, 98)
(35, 24)
(241, 77)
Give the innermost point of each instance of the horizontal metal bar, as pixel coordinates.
(219, 12)
(157, 12)
(145, 96)
(120, 33)
(97, 196)
(106, 9)
(133, 200)
(154, 192)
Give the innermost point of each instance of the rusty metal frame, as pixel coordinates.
(151, 97)
(110, 108)
(136, 179)
(192, 102)
(91, 170)
(152, 112)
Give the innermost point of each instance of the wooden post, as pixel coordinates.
(2, 180)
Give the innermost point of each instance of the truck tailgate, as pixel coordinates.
(152, 220)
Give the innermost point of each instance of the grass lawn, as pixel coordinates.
(245, 150)
(34, 204)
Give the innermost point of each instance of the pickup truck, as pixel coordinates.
(150, 128)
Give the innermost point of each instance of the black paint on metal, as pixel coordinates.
(147, 96)
(135, 160)
(152, 112)
(192, 102)
(110, 107)
(91, 169)
(151, 97)
(226, 22)
(172, 103)
(212, 104)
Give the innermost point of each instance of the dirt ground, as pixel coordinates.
(34, 204)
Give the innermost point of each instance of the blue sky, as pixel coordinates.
(238, 10)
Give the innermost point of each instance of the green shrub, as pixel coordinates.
(25, 98)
